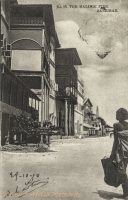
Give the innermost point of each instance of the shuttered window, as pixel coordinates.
(6, 89)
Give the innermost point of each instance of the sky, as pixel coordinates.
(92, 33)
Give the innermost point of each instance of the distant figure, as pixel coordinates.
(111, 133)
(121, 116)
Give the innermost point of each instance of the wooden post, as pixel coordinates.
(69, 118)
(42, 100)
(66, 117)
(0, 126)
(72, 111)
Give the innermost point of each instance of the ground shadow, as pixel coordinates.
(52, 151)
(47, 151)
(94, 136)
(107, 195)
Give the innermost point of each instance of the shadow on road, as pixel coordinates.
(107, 195)
(52, 151)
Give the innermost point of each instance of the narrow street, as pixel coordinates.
(72, 170)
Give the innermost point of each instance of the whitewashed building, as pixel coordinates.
(79, 107)
(54, 86)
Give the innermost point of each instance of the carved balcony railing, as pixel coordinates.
(61, 94)
(27, 21)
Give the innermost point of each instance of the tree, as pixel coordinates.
(25, 126)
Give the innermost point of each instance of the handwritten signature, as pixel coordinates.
(30, 184)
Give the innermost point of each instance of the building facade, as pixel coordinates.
(79, 114)
(96, 123)
(92, 122)
(88, 117)
(42, 79)
(16, 98)
(33, 37)
(66, 96)
(53, 84)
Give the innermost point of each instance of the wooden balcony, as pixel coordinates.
(66, 70)
(61, 95)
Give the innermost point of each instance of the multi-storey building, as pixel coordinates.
(66, 78)
(54, 86)
(30, 49)
(96, 123)
(33, 39)
(15, 96)
(88, 117)
(5, 29)
(79, 114)
(92, 122)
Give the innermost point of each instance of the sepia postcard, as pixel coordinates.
(63, 99)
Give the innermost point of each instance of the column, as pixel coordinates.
(70, 124)
(72, 118)
(66, 117)
(45, 102)
(42, 100)
(0, 127)
(48, 104)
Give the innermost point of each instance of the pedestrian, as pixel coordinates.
(111, 133)
(116, 154)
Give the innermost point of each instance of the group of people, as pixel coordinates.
(118, 153)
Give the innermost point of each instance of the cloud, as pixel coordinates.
(105, 80)
(68, 33)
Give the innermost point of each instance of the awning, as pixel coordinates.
(88, 126)
(97, 128)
